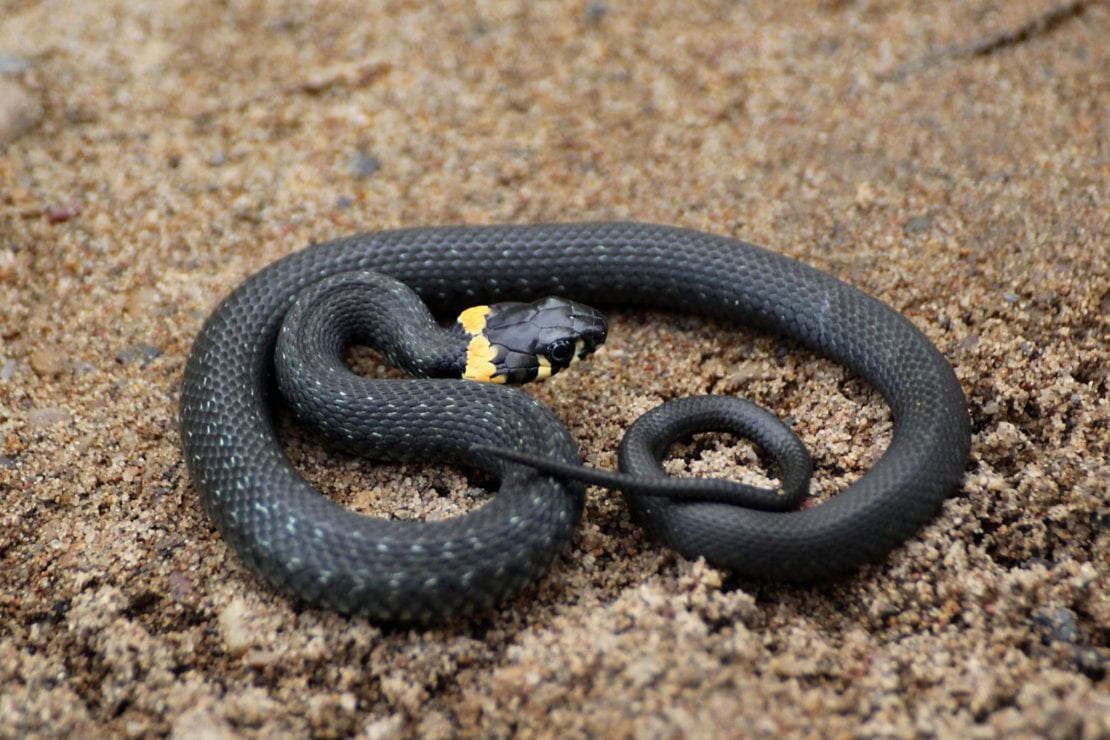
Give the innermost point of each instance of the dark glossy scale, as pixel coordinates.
(405, 570)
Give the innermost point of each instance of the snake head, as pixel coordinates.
(521, 342)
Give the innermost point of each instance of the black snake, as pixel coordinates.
(404, 570)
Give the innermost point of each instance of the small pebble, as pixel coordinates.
(365, 164)
(181, 587)
(141, 351)
(12, 65)
(234, 629)
(596, 11)
(202, 721)
(19, 112)
(258, 658)
(63, 212)
(386, 727)
(141, 301)
(46, 417)
(1093, 662)
(48, 362)
(1059, 625)
(128, 440)
(917, 224)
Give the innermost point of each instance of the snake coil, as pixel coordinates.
(401, 570)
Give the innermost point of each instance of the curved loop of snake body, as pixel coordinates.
(403, 570)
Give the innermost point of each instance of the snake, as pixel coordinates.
(392, 570)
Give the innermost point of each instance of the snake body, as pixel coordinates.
(402, 570)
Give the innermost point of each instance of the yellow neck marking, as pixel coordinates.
(473, 319)
(479, 360)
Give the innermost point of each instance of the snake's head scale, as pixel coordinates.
(521, 342)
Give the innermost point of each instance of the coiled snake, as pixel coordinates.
(403, 570)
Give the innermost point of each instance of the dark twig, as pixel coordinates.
(1038, 25)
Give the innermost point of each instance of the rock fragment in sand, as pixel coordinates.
(46, 417)
(143, 351)
(19, 111)
(13, 65)
(48, 362)
(364, 164)
(234, 628)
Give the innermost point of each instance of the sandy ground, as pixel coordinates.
(951, 158)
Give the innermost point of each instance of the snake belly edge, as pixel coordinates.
(402, 570)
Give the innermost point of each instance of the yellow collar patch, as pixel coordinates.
(473, 319)
(480, 355)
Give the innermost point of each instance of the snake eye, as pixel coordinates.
(560, 351)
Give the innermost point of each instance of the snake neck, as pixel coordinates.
(373, 310)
